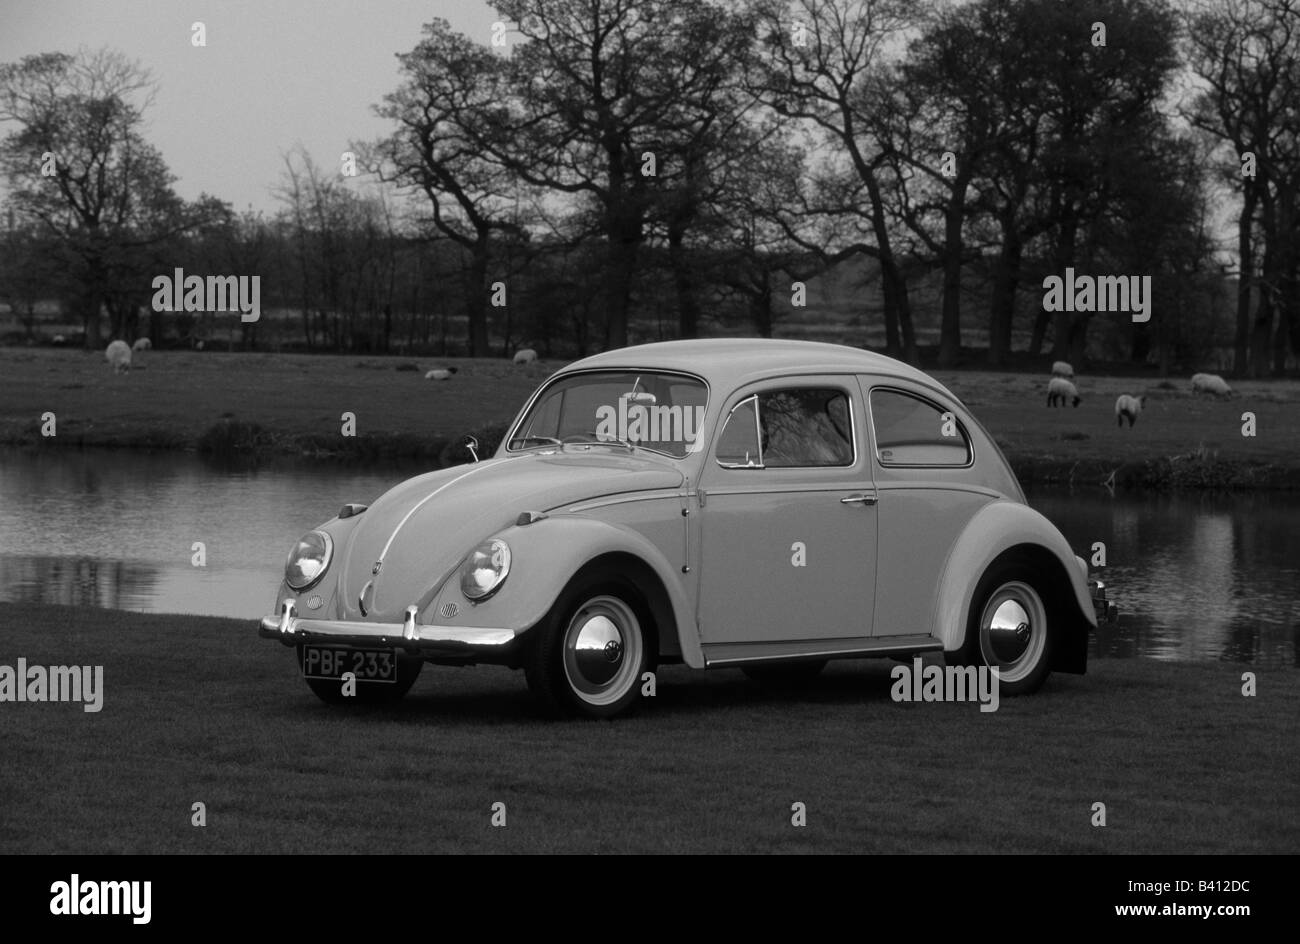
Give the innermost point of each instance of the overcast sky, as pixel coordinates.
(274, 73)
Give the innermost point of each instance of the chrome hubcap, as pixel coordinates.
(1013, 630)
(602, 649)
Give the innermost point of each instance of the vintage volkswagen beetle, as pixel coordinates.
(766, 505)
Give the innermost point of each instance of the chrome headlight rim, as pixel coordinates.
(469, 590)
(326, 559)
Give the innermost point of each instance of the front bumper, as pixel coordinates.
(291, 629)
(1107, 612)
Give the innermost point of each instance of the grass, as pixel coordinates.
(293, 403)
(200, 709)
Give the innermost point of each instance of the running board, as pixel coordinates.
(719, 655)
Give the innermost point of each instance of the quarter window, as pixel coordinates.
(912, 431)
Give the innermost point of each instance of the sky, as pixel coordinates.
(274, 74)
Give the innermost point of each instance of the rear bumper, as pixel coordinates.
(291, 629)
(1107, 612)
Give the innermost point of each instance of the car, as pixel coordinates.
(758, 504)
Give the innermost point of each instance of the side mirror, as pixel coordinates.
(472, 445)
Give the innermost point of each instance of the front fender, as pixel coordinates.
(995, 529)
(544, 556)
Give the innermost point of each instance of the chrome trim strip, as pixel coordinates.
(728, 654)
(287, 626)
(420, 504)
(658, 495)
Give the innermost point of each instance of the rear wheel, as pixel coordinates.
(330, 691)
(592, 649)
(1009, 628)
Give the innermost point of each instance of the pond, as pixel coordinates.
(1198, 577)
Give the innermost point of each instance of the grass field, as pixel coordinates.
(297, 401)
(200, 709)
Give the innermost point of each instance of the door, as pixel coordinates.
(788, 518)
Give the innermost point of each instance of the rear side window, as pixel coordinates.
(913, 431)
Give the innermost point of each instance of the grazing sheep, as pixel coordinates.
(118, 353)
(440, 373)
(142, 344)
(1059, 390)
(1210, 383)
(525, 356)
(1128, 407)
(1062, 369)
(59, 340)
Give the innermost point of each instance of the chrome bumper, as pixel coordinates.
(290, 629)
(1106, 611)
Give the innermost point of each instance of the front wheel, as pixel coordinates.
(592, 650)
(1008, 629)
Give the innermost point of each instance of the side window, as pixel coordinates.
(795, 428)
(912, 431)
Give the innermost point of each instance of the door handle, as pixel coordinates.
(863, 499)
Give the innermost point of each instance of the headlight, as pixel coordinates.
(308, 560)
(485, 569)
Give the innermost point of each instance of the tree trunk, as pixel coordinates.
(1036, 338)
(94, 300)
(476, 301)
(1078, 338)
(760, 305)
(620, 266)
(1002, 307)
(1245, 251)
(893, 284)
(688, 309)
(950, 322)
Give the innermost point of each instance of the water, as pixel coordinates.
(1198, 578)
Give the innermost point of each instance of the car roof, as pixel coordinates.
(727, 363)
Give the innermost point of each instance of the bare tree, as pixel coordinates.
(1247, 55)
(77, 162)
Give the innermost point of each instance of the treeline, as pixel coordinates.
(596, 172)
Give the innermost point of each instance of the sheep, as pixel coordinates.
(1127, 407)
(1210, 383)
(118, 353)
(1059, 390)
(440, 373)
(1062, 369)
(525, 356)
(142, 344)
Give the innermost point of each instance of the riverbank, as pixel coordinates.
(295, 405)
(200, 710)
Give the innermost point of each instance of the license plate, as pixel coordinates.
(368, 665)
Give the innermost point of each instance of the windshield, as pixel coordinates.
(659, 411)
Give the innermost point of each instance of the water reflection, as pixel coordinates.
(118, 529)
(78, 581)
(1196, 577)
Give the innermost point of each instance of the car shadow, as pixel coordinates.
(488, 695)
